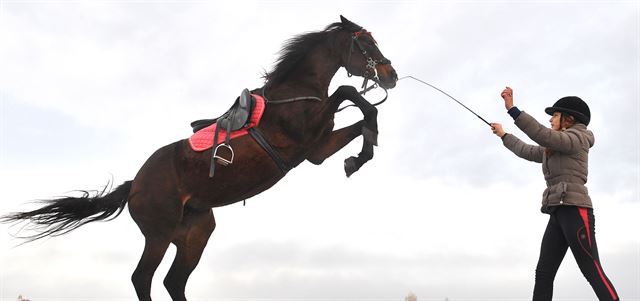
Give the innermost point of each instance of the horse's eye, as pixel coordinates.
(370, 42)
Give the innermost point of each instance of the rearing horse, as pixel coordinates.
(172, 196)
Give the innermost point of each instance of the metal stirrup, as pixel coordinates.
(222, 160)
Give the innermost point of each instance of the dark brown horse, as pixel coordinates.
(172, 196)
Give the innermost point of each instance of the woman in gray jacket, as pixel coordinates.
(563, 151)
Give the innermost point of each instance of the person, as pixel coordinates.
(563, 151)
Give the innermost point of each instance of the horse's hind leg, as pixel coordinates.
(158, 219)
(191, 239)
(154, 251)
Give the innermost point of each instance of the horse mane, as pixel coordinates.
(298, 47)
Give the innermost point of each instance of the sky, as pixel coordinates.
(88, 90)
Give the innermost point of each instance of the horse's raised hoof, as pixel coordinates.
(370, 136)
(350, 166)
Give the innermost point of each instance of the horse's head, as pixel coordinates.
(363, 58)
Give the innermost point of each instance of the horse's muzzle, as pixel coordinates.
(387, 76)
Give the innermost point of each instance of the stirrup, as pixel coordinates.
(220, 159)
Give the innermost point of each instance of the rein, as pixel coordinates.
(288, 100)
(294, 99)
(318, 99)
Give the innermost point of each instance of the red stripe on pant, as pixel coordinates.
(585, 218)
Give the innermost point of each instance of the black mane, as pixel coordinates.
(299, 46)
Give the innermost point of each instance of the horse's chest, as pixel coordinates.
(322, 132)
(314, 126)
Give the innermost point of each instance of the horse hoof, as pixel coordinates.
(370, 136)
(350, 166)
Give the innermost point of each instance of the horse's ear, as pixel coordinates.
(348, 24)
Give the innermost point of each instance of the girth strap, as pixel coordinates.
(259, 137)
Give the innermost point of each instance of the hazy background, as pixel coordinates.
(89, 90)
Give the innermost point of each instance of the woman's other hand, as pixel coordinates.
(507, 95)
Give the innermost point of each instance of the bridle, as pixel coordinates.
(370, 72)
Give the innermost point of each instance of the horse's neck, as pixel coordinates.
(311, 77)
(300, 123)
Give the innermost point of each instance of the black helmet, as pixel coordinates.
(573, 106)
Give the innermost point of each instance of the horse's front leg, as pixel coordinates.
(370, 128)
(336, 141)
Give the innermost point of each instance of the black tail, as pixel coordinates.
(65, 214)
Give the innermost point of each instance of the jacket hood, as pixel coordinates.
(587, 134)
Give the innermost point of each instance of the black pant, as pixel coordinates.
(571, 227)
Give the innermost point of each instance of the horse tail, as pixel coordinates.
(63, 215)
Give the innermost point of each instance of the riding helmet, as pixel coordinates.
(573, 106)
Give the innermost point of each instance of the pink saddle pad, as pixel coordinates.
(203, 139)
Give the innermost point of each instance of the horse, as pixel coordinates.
(172, 196)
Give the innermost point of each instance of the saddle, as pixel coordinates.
(234, 119)
(241, 119)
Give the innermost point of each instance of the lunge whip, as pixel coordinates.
(445, 93)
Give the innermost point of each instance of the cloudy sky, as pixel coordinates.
(88, 90)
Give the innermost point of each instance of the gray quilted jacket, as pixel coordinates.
(565, 171)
